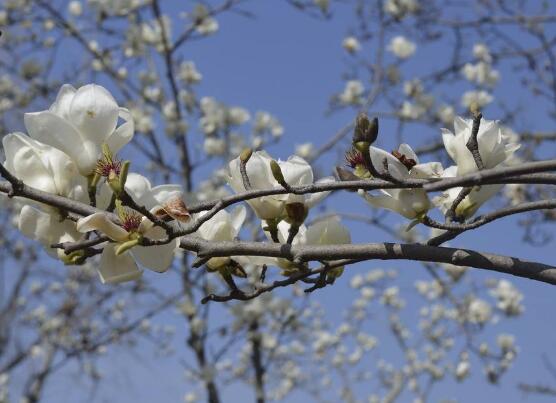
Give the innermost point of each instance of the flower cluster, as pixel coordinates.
(69, 150)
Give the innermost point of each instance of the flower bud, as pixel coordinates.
(365, 130)
(277, 173)
(245, 155)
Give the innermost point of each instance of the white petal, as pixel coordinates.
(395, 167)
(426, 170)
(238, 217)
(117, 269)
(23, 160)
(328, 232)
(161, 194)
(101, 222)
(62, 104)
(94, 112)
(123, 134)
(137, 186)
(35, 224)
(313, 199)
(157, 258)
(51, 129)
(296, 171)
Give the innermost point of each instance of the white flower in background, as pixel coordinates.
(481, 73)
(217, 116)
(79, 122)
(116, 7)
(208, 26)
(494, 147)
(509, 298)
(222, 227)
(351, 44)
(409, 110)
(403, 164)
(118, 264)
(401, 47)
(214, 146)
(305, 150)
(476, 100)
(352, 93)
(152, 32)
(237, 115)
(446, 114)
(188, 73)
(481, 52)
(479, 311)
(296, 172)
(463, 369)
(42, 167)
(75, 8)
(400, 8)
(264, 121)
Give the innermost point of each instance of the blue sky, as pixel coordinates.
(288, 63)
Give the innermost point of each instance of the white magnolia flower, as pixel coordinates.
(476, 100)
(75, 8)
(352, 93)
(42, 166)
(481, 73)
(296, 172)
(402, 47)
(481, 52)
(188, 73)
(222, 227)
(305, 150)
(403, 164)
(351, 44)
(79, 122)
(468, 206)
(118, 267)
(400, 8)
(48, 229)
(494, 147)
(328, 231)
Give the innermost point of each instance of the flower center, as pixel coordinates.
(130, 221)
(354, 158)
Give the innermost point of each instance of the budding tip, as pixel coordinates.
(245, 155)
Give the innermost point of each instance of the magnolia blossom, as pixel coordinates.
(401, 47)
(351, 44)
(492, 139)
(352, 93)
(42, 166)
(79, 122)
(117, 263)
(328, 231)
(48, 229)
(494, 149)
(476, 100)
(403, 164)
(222, 227)
(296, 172)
